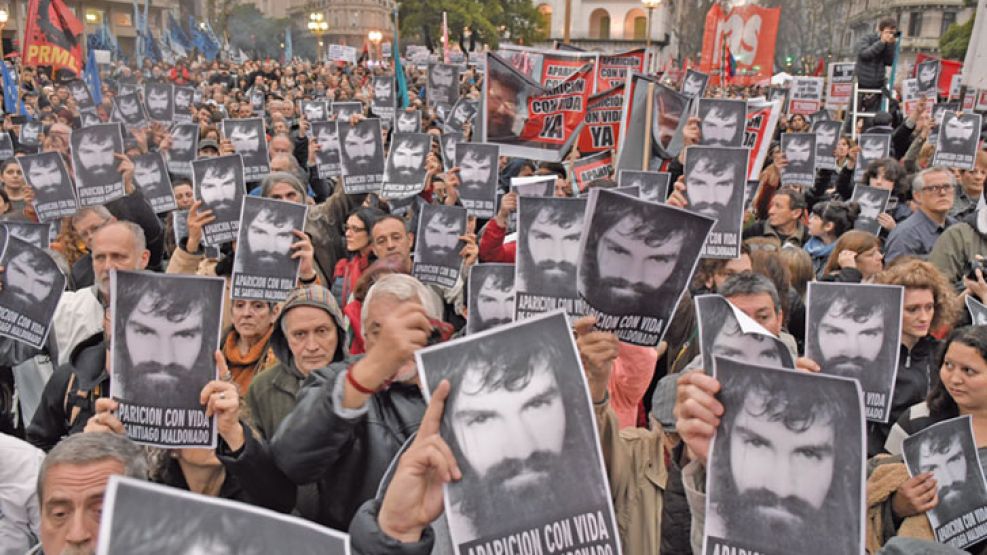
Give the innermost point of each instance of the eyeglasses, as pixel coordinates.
(938, 189)
(354, 229)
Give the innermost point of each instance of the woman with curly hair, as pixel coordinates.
(929, 304)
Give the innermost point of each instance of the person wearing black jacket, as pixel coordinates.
(875, 52)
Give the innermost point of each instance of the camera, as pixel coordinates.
(897, 34)
(972, 267)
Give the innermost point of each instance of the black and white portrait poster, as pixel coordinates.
(315, 110)
(385, 100)
(257, 99)
(940, 109)
(165, 329)
(635, 260)
(184, 148)
(977, 310)
(589, 168)
(250, 141)
(128, 88)
(947, 450)
(630, 190)
(151, 177)
(927, 78)
(519, 419)
(36, 235)
(872, 201)
(530, 186)
(491, 296)
(442, 86)
(694, 84)
(327, 158)
(80, 94)
(404, 173)
(653, 185)
(800, 151)
(54, 194)
(218, 183)
(6, 145)
(959, 135)
(827, 136)
(97, 180)
(89, 117)
(723, 122)
(785, 472)
(873, 146)
(30, 134)
(184, 97)
(853, 330)
(345, 110)
(437, 244)
(478, 177)
(406, 121)
(726, 331)
(714, 187)
(129, 110)
(448, 142)
(32, 285)
(263, 268)
(461, 114)
(361, 156)
(840, 85)
(159, 98)
(549, 229)
(141, 518)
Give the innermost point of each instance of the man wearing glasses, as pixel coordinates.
(933, 192)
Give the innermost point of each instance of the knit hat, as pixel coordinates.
(315, 296)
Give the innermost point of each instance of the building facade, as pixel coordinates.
(118, 14)
(350, 21)
(921, 23)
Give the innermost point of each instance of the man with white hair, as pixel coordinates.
(353, 417)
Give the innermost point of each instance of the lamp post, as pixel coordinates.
(318, 26)
(375, 37)
(3, 23)
(650, 5)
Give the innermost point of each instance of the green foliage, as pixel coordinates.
(953, 43)
(518, 18)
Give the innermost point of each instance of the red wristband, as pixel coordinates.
(356, 385)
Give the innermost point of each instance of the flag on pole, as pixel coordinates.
(445, 38)
(10, 95)
(91, 77)
(288, 54)
(398, 68)
(52, 37)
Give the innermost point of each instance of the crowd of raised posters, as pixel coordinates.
(635, 184)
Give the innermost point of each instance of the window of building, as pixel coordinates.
(948, 19)
(915, 24)
(94, 17)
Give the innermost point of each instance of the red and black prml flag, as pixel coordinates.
(52, 36)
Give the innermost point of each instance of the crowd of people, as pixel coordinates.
(317, 402)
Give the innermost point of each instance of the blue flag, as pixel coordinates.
(178, 35)
(9, 90)
(288, 54)
(91, 77)
(398, 68)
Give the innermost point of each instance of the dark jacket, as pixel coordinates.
(872, 57)
(911, 386)
(69, 397)
(346, 452)
(366, 537)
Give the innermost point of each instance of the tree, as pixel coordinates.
(953, 43)
(516, 19)
(259, 36)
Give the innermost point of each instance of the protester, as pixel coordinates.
(855, 257)
(933, 191)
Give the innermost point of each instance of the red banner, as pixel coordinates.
(52, 36)
(947, 69)
(612, 70)
(749, 32)
(590, 168)
(602, 129)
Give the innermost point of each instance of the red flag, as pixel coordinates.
(820, 70)
(750, 32)
(52, 36)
